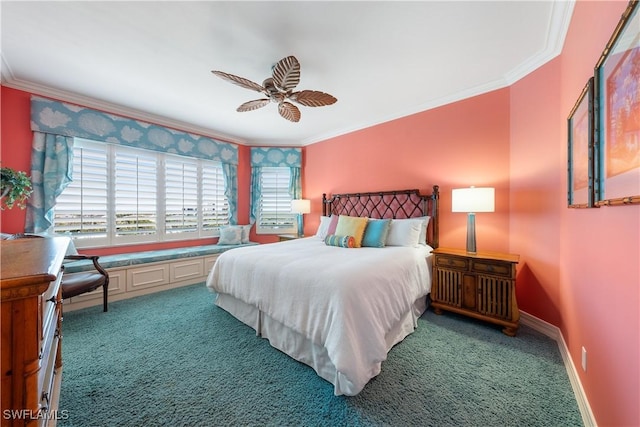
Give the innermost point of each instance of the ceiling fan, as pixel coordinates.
(279, 88)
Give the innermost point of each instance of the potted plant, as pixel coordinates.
(15, 188)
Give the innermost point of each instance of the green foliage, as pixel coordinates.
(15, 188)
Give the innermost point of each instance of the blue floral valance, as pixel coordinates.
(276, 157)
(61, 118)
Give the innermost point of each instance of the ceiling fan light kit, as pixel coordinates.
(279, 88)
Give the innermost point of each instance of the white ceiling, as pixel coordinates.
(381, 59)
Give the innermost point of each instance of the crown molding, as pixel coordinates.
(108, 107)
(560, 19)
(431, 104)
(558, 27)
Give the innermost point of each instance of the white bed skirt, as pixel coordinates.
(304, 350)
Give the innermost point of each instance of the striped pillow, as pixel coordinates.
(340, 241)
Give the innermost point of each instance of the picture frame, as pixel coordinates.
(581, 179)
(617, 133)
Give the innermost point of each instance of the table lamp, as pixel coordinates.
(472, 200)
(300, 207)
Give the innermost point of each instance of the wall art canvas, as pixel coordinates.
(618, 94)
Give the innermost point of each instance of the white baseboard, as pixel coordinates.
(554, 333)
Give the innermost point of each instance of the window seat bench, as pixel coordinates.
(140, 273)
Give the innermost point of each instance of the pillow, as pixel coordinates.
(340, 241)
(375, 235)
(404, 233)
(323, 227)
(423, 229)
(424, 223)
(333, 224)
(352, 226)
(230, 235)
(246, 229)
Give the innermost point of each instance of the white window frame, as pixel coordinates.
(279, 199)
(206, 225)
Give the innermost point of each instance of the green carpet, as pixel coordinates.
(174, 359)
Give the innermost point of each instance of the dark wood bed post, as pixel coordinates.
(435, 197)
(325, 206)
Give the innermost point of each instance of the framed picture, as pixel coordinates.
(581, 151)
(617, 86)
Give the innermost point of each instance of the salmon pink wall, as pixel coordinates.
(457, 145)
(537, 192)
(15, 152)
(581, 269)
(600, 253)
(15, 110)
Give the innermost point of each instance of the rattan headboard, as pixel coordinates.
(387, 204)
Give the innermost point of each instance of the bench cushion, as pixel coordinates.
(136, 258)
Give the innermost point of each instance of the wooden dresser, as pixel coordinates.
(31, 310)
(480, 285)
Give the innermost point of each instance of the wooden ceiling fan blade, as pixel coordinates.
(240, 81)
(286, 73)
(313, 98)
(289, 111)
(253, 105)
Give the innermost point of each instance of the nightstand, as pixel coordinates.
(284, 237)
(480, 285)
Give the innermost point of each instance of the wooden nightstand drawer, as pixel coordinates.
(452, 262)
(492, 267)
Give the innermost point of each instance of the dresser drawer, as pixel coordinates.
(47, 356)
(452, 262)
(49, 303)
(491, 267)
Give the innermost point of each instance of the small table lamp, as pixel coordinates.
(472, 200)
(300, 207)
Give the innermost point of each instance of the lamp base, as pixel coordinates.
(300, 226)
(471, 233)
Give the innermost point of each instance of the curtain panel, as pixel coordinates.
(51, 167)
(64, 120)
(274, 157)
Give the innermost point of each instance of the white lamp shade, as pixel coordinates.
(302, 206)
(480, 199)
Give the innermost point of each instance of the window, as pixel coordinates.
(274, 211)
(123, 195)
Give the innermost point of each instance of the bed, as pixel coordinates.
(337, 309)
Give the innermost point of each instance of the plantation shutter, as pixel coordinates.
(82, 206)
(135, 192)
(215, 207)
(125, 195)
(275, 201)
(181, 198)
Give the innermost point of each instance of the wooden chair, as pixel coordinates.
(74, 284)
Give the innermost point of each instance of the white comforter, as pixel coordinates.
(345, 300)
